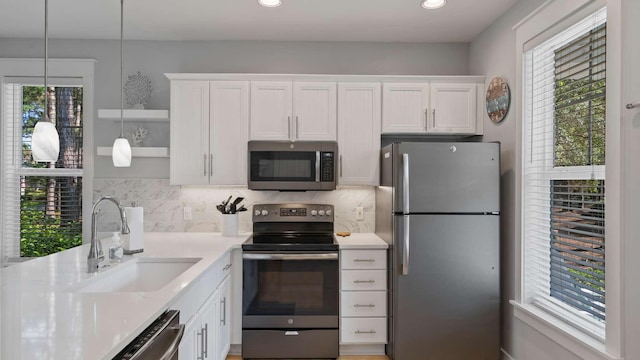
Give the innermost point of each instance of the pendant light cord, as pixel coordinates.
(46, 56)
(121, 68)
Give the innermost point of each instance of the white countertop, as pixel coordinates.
(42, 319)
(361, 241)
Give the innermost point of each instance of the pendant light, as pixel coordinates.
(121, 153)
(45, 141)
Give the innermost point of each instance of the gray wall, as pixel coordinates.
(154, 58)
(492, 54)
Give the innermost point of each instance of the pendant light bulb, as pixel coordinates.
(45, 141)
(121, 152)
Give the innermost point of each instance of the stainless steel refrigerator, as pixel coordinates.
(438, 209)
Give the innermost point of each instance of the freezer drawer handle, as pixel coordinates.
(364, 260)
(366, 305)
(291, 333)
(363, 281)
(365, 332)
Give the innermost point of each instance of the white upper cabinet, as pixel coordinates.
(271, 110)
(285, 110)
(229, 124)
(314, 106)
(189, 132)
(358, 133)
(453, 108)
(405, 107)
(209, 127)
(432, 108)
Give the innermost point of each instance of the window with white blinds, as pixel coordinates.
(42, 202)
(563, 183)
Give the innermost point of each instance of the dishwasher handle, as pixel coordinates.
(173, 348)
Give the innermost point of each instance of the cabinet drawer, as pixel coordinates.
(363, 330)
(221, 269)
(364, 280)
(363, 259)
(363, 303)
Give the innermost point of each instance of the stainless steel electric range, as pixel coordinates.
(290, 284)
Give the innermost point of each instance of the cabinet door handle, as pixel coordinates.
(201, 335)
(204, 164)
(364, 260)
(433, 117)
(289, 123)
(426, 118)
(211, 164)
(365, 332)
(224, 311)
(297, 129)
(206, 340)
(227, 267)
(363, 281)
(364, 305)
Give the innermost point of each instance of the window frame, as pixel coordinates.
(543, 23)
(83, 69)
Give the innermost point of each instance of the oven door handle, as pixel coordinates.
(272, 256)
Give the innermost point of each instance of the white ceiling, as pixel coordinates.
(294, 20)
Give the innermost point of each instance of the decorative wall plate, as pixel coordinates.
(498, 99)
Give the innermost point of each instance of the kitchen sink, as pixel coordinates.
(137, 275)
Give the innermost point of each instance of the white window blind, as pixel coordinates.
(41, 202)
(563, 175)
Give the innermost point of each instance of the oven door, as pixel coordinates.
(290, 290)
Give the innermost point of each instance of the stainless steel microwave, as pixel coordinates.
(292, 166)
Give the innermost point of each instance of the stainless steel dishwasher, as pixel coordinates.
(159, 341)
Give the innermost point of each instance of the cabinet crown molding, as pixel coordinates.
(327, 77)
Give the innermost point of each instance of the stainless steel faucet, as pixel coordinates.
(96, 256)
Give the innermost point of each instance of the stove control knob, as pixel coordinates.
(321, 212)
(256, 212)
(328, 212)
(314, 212)
(265, 212)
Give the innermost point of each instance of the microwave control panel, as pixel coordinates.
(326, 166)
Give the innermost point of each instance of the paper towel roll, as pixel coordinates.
(135, 218)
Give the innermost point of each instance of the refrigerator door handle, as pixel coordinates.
(405, 252)
(405, 183)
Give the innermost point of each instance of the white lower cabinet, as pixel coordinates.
(207, 322)
(363, 297)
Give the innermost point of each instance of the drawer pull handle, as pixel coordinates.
(365, 332)
(226, 267)
(364, 260)
(291, 333)
(363, 281)
(365, 305)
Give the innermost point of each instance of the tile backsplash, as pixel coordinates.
(164, 203)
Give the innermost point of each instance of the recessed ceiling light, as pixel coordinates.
(433, 4)
(270, 3)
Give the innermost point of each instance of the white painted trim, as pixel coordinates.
(505, 355)
(554, 13)
(326, 78)
(580, 344)
(363, 349)
(70, 68)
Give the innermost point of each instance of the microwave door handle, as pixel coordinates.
(317, 166)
